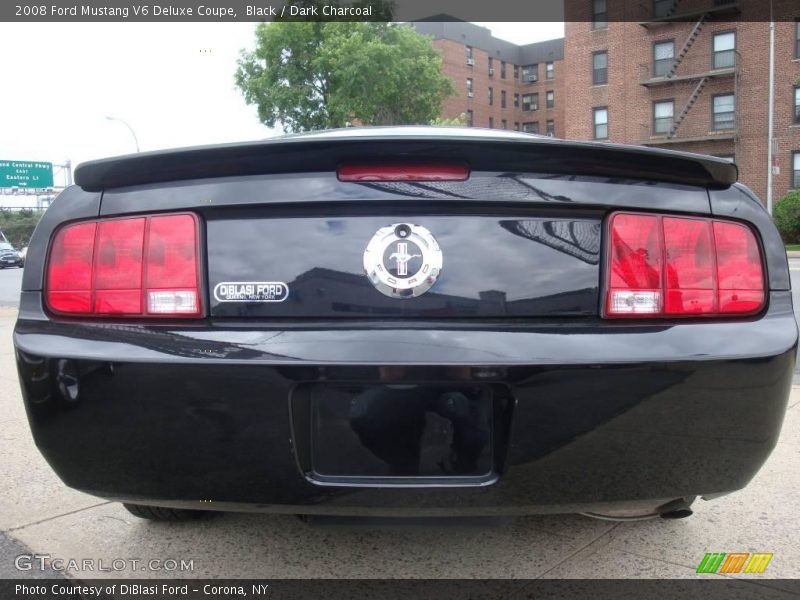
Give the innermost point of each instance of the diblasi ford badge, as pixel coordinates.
(403, 260)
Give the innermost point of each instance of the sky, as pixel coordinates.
(172, 82)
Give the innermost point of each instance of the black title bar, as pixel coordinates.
(387, 10)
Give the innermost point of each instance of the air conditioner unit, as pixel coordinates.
(471, 62)
(491, 71)
(470, 94)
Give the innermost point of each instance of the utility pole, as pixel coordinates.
(770, 140)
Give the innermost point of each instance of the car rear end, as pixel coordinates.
(607, 329)
(9, 257)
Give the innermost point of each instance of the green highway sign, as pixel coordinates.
(25, 174)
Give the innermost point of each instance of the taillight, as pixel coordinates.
(131, 267)
(682, 267)
(403, 173)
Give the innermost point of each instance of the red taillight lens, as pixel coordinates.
(118, 266)
(172, 266)
(689, 266)
(69, 277)
(635, 276)
(739, 275)
(103, 268)
(403, 173)
(709, 267)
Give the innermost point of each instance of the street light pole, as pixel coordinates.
(133, 133)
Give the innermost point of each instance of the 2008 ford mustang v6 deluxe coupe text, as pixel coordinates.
(406, 321)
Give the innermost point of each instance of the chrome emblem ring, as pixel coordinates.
(403, 260)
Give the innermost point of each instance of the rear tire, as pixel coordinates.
(161, 513)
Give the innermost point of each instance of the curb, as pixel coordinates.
(793, 253)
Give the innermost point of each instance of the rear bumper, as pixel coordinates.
(598, 415)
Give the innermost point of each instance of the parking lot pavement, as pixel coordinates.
(37, 510)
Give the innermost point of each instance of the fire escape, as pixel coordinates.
(689, 70)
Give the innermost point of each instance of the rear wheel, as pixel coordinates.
(161, 513)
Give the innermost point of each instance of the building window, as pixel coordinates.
(551, 127)
(504, 124)
(797, 40)
(469, 118)
(502, 69)
(724, 50)
(796, 170)
(663, 58)
(530, 73)
(491, 96)
(661, 8)
(549, 70)
(724, 111)
(550, 99)
(468, 50)
(600, 123)
(599, 14)
(516, 100)
(531, 127)
(502, 98)
(600, 68)
(469, 87)
(663, 113)
(491, 122)
(797, 104)
(516, 71)
(491, 66)
(530, 102)
(516, 125)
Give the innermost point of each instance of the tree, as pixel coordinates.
(787, 217)
(18, 225)
(459, 121)
(316, 75)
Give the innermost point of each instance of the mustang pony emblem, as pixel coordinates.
(402, 257)
(403, 260)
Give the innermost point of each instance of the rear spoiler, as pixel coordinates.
(485, 152)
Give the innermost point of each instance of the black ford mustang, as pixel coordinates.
(406, 321)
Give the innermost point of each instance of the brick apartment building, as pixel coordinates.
(678, 74)
(499, 84)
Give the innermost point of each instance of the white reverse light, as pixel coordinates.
(635, 302)
(169, 301)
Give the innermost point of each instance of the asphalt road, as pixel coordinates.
(38, 512)
(10, 284)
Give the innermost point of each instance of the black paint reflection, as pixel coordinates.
(401, 430)
(580, 239)
(548, 267)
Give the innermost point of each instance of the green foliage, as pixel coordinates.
(787, 217)
(459, 121)
(18, 225)
(317, 75)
